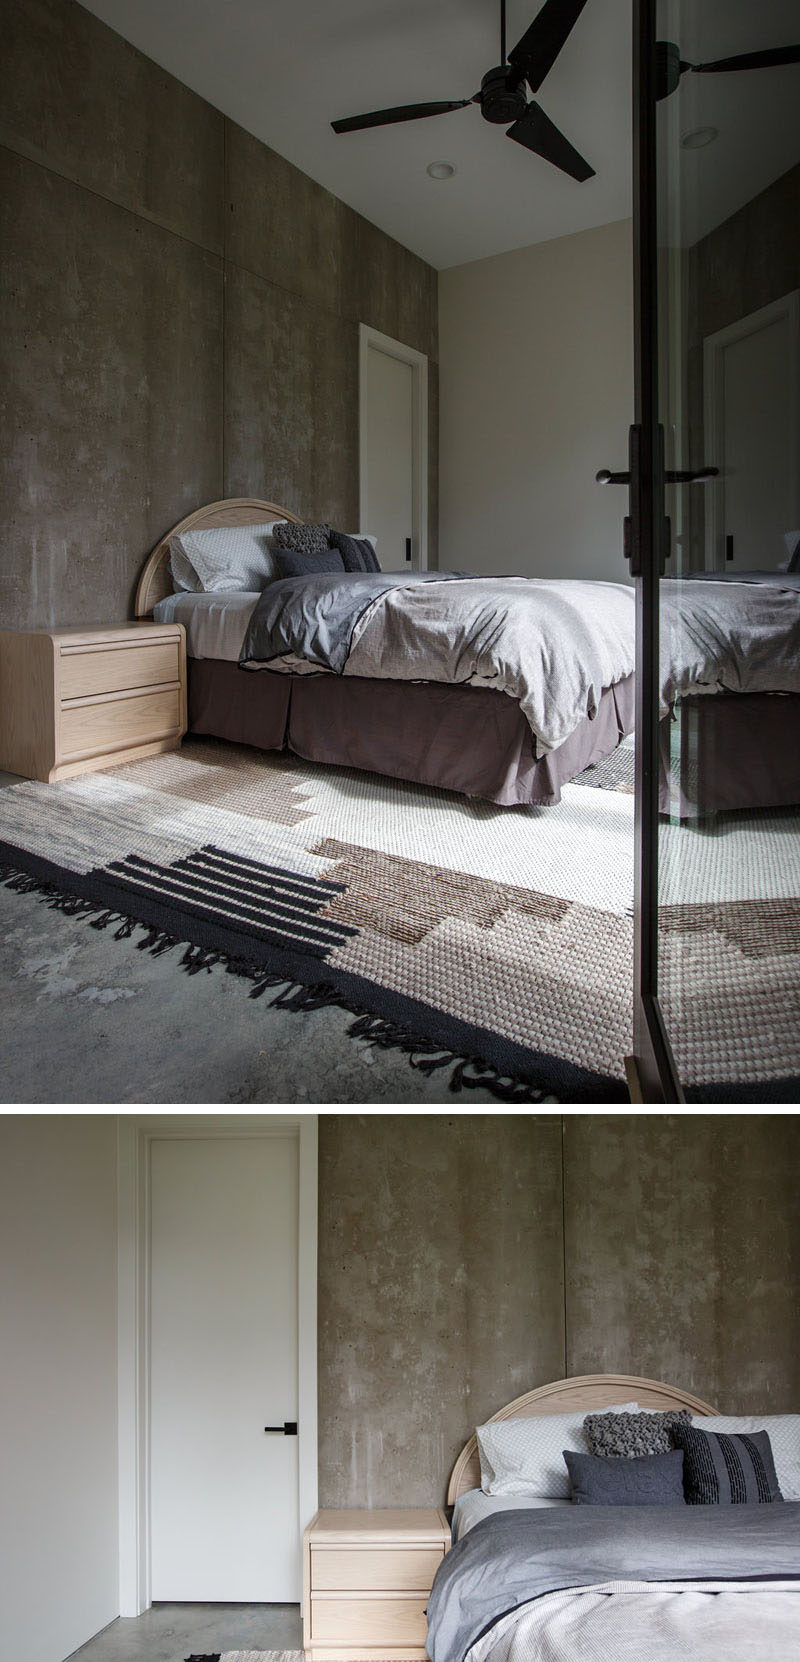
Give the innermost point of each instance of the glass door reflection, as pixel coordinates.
(728, 855)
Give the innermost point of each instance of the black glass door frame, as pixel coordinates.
(646, 534)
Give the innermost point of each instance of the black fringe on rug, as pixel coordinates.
(516, 1083)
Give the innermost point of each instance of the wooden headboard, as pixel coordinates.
(155, 582)
(588, 1392)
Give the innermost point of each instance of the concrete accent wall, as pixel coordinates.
(463, 1261)
(440, 1291)
(536, 370)
(178, 320)
(58, 1298)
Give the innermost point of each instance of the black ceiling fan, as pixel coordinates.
(670, 66)
(502, 95)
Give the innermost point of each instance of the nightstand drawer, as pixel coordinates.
(376, 1621)
(85, 670)
(368, 1569)
(111, 724)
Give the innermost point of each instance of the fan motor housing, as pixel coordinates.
(502, 98)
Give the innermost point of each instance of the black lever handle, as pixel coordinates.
(698, 476)
(288, 1429)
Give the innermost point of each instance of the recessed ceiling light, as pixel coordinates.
(699, 138)
(440, 170)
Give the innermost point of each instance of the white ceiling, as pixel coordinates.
(284, 69)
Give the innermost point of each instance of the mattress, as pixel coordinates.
(472, 1507)
(215, 624)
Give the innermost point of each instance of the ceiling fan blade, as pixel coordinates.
(770, 59)
(537, 132)
(535, 54)
(403, 112)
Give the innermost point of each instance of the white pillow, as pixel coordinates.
(783, 1431)
(527, 1455)
(219, 557)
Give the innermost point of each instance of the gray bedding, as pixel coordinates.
(551, 645)
(509, 1560)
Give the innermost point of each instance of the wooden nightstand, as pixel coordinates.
(76, 699)
(366, 1581)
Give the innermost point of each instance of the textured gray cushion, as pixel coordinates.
(357, 552)
(304, 539)
(724, 1470)
(631, 1435)
(647, 1480)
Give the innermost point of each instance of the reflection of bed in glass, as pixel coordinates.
(727, 749)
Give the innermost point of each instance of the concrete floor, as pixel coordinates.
(171, 1632)
(87, 1019)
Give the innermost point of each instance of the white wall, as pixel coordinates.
(58, 1410)
(536, 378)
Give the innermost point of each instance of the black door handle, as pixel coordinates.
(288, 1429)
(408, 548)
(696, 477)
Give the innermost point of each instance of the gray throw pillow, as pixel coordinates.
(304, 539)
(720, 1469)
(631, 1435)
(357, 552)
(646, 1480)
(290, 563)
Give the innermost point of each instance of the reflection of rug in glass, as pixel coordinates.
(499, 934)
(729, 950)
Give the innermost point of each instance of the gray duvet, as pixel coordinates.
(552, 645)
(514, 1558)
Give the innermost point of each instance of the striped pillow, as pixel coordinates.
(724, 1470)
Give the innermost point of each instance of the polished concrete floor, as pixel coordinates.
(87, 1019)
(171, 1632)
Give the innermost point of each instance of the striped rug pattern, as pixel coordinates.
(495, 941)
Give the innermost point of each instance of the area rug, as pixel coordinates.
(493, 941)
(250, 1656)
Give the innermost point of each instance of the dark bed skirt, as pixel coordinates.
(737, 750)
(466, 739)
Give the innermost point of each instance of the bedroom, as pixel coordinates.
(656, 1246)
(202, 345)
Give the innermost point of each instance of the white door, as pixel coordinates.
(394, 450)
(223, 1365)
(755, 378)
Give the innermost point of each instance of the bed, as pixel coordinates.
(469, 739)
(532, 1582)
(736, 748)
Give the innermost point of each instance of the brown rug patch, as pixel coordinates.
(256, 783)
(759, 928)
(405, 900)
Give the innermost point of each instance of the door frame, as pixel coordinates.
(656, 1073)
(372, 340)
(135, 1136)
(787, 306)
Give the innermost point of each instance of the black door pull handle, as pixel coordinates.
(698, 476)
(288, 1429)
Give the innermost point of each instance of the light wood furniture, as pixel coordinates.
(587, 1392)
(366, 1581)
(72, 700)
(155, 582)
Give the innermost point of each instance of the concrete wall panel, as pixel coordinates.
(111, 367)
(440, 1291)
(291, 402)
(124, 194)
(682, 1238)
(81, 100)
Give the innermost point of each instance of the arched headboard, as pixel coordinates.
(155, 582)
(588, 1392)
